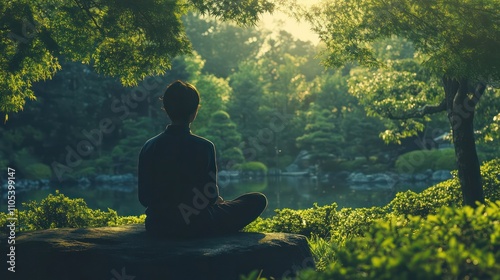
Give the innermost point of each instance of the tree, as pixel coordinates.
(221, 44)
(457, 40)
(247, 98)
(126, 39)
(213, 90)
(321, 136)
(223, 133)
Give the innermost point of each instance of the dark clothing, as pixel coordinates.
(226, 217)
(171, 165)
(178, 185)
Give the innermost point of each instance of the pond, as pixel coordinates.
(282, 192)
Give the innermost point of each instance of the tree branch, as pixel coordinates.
(89, 15)
(419, 113)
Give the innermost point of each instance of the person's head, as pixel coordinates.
(181, 101)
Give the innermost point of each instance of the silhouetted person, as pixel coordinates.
(178, 177)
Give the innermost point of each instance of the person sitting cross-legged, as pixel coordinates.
(178, 177)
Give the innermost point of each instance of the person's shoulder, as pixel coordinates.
(151, 141)
(202, 141)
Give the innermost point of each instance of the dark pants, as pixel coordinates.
(222, 218)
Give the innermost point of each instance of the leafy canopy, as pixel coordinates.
(126, 39)
(457, 38)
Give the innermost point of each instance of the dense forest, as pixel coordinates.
(265, 97)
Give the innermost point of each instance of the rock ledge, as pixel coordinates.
(128, 253)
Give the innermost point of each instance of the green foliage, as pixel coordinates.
(317, 220)
(416, 236)
(405, 91)
(38, 171)
(455, 243)
(125, 39)
(222, 131)
(327, 221)
(246, 98)
(245, 12)
(452, 46)
(391, 93)
(421, 160)
(447, 193)
(490, 172)
(253, 166)
(322, 252)
(320, 134)
(210, 38)
(213, 90)
(56, 211)
(125, 154)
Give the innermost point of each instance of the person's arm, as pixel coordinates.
(212, 175)
(143, 179)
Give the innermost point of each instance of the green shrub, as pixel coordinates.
(388, 242)
(37, 171)
(456, 243)
(317, 220)
(322, 251)
(421, 160)
(57, 211)
(252, 166)
(233, 155)
(490, 172)
(447, 193)
(446, 160)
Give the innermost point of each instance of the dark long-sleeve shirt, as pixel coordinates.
(174, 166)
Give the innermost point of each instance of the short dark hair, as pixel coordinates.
(180, 100)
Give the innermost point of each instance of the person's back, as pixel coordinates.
(178, 177)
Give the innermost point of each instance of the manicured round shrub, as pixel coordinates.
(252, 166)
(446, 160)
(421, 160)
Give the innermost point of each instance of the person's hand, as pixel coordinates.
(219, 200)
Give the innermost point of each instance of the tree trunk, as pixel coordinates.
(461, 107)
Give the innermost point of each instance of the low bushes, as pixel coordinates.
(454, 243)
(416, 236)
(57, 211)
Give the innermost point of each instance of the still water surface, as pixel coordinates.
(282, 192)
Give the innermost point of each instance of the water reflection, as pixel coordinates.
(282, 192)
